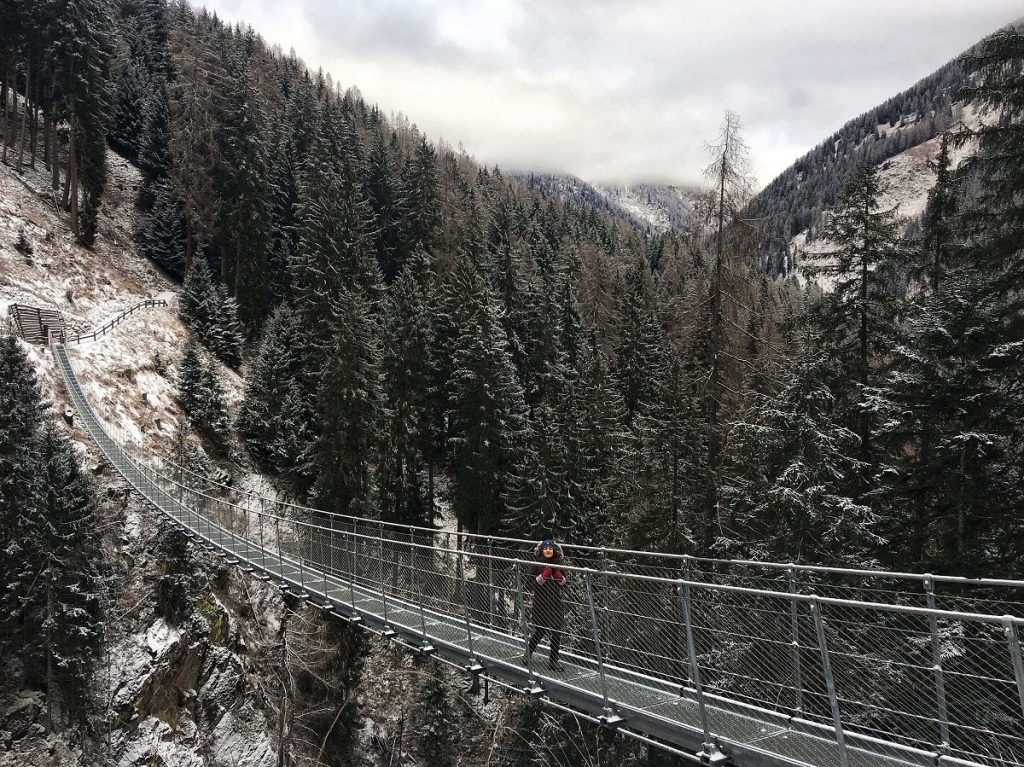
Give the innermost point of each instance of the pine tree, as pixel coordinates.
(190, 379)
(952, 429)
(80, 56)
(993, 224)
(939, 216)
(242, 185)
(127, 104)
(386, 195)
(727, 280)
(671, 453)
(160, 233)
(539, 505)
(406, 366)
(639, 358)
(198, 298)
(281, 209)
(424, 205)
(153, 152)
(225, 329)
(857, 315)
(487, 410)
(194, 108)
(211, 314)
(21, 425)
(793, 484)
(597, 443)
(201, 394)
(334, 225)
(59, 583)
(349, 410)
(182, 576)
(951, 406)
(437, 732)
(269, 380)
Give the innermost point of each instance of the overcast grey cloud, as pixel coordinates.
(624, 91)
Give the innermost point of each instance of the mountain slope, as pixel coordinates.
(793, 202)
(651, 208)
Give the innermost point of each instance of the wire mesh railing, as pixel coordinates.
(862, 678)
(959, 594)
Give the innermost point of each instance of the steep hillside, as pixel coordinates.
(906, 178)
(901, 127)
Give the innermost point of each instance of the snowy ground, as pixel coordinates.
(129, 374)
(90, 284)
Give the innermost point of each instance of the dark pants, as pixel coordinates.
(556, 641)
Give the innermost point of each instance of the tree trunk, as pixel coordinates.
(66, 198)
(54, 159)
(282, 717)
(35, 127)
(865, 432)
(24, 115)
(675, 485)
(51, 691)
(46, 141)
(12, 104)
(715, 389)
(225, 271)
(73, 177)
(961, 522)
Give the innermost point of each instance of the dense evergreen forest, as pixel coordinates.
(416, 328)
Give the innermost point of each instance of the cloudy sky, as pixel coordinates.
(624, 90)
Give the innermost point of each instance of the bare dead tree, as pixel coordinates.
(733, 185)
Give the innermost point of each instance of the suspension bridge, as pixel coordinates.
(721, 662)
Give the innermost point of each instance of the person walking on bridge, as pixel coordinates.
(548, 613)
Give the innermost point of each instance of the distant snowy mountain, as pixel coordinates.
(653, 208)
(662, 207)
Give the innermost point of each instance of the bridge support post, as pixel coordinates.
(940, 682)
(710, 750)
(490, 583)
(326, 560)
(830, 682)
(388, 632)
(263, 545)
(794, 620)
(303, 594)
(610, 717)
(280, 558)
(426, 648)
(534, 688)
(474, 667)
(1015, 655)
(353, 615)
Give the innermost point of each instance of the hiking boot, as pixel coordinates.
(554, 665)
